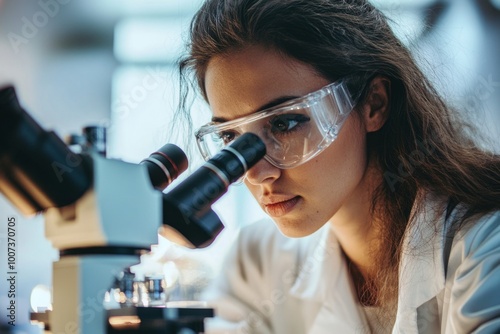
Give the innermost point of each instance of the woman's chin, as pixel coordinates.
(296, 229)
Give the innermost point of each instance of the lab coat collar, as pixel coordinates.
(422, 267)
(421, 272)
(319, 270)
(323, 278)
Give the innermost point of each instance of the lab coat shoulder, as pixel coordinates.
(472, 293)
(252, 292)
(449, 277)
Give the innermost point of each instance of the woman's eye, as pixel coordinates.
(227, 137)
(287, 123)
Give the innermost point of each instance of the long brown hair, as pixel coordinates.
(421, 146)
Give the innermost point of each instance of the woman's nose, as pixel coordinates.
(263, 172)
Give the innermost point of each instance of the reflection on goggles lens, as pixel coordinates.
(293, 132)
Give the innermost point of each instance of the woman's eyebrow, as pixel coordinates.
(268, 105)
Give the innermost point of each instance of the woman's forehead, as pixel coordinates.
(242, 82)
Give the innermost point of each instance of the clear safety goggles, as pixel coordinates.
(294, 132)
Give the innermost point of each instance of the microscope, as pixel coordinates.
(102, 214)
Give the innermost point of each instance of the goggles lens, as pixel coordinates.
(294, 132)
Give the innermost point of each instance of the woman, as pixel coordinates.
(387, 210)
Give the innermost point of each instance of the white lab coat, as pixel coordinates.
(274, 284)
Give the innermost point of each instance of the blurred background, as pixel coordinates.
(92, 62)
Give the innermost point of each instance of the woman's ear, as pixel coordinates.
(376, 105)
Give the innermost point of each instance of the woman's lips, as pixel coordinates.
(278, 209)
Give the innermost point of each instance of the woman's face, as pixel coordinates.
(302, 199)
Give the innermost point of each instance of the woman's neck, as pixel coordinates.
(355, 227)
(364, 242)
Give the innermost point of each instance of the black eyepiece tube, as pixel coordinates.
(37, 170)
(187, 208)
(165, 165)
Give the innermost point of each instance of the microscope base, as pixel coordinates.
(79, 285)
(158, 320)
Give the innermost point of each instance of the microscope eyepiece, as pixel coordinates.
(37, 170)
(165, 165)
(188, 217)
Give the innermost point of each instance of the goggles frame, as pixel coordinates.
(339, 94)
